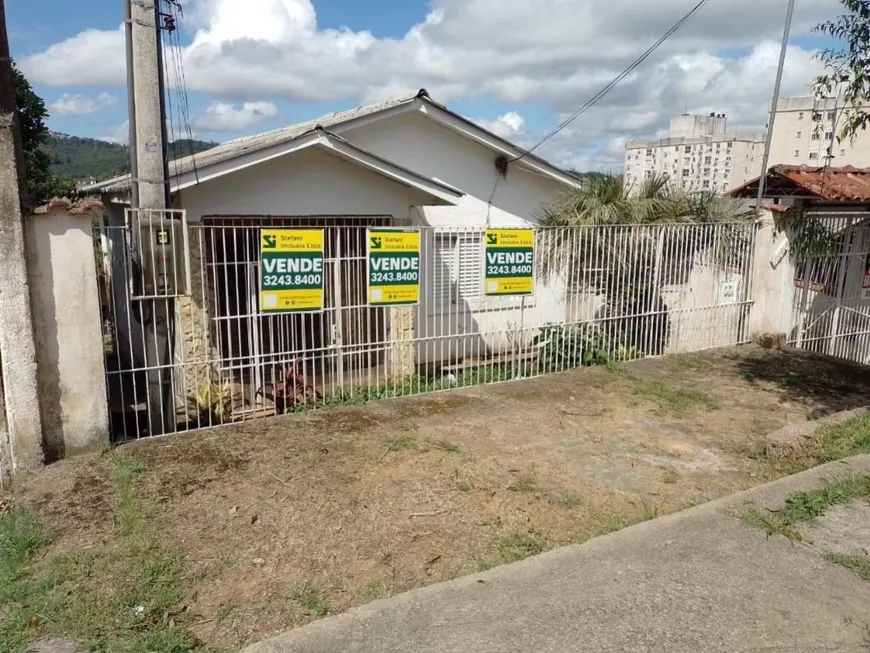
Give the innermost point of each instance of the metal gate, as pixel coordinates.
(831, 303)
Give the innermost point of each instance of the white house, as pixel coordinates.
(409, 161)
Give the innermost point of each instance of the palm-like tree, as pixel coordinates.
(611, 201)
(614, 239)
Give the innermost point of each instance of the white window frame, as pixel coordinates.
(458, 301)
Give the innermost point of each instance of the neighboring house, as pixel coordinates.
(828, 229)
(698, 154)
(409, 161)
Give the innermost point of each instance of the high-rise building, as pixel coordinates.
(805, 133)
(698, 154)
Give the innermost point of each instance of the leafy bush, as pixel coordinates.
(564, 347)
(213, 404)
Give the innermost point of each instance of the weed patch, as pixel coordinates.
(123, 599)
(511, 549)
(525, 484)
(803, 507)
(615, 523)
(670, 477)
(859, 564)
(448, 447)
(404, 443)
(309, 599)
(669, 397)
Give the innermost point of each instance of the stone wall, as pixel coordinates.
(403, 323)
(195, 329)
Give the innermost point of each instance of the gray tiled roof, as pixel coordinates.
(241, 146)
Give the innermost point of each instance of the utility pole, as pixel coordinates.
(20, 413)
(150, 199)
(765, 160)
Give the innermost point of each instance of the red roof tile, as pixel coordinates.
(83, 207)
(845, 184)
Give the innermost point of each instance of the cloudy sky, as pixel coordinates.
(516, 66)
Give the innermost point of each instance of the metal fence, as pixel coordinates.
(831, 302)
(601, 294)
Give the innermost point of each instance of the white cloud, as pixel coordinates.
(225, 117)
(92, 57)
(120, 135)
(559, 52)
(80, 105)
(508, 126)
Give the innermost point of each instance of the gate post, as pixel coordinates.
(20, 423)
(70, 354)
(772, 280)
(402, 327)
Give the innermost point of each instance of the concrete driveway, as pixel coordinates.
(699, 580)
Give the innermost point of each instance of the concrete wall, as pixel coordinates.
(705, 312)
(21, 440)
(66, 318)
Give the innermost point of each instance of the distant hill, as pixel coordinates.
(586, 176)
(84, 159)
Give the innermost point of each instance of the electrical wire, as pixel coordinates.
(178, 113)
(625, 73)
(170, 112)
(178, 12)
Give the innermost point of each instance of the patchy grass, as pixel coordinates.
(859, 564)
(615, 523)
(309, 599)
(690, 364)
(404, 443)
(525, 484)
(829, 443)
(463, 485)
(670, 477)
(564, 499)
(511, 549)
(125, 599)
(670, 397)
(447, 447)
(803, 507)
(230, 522)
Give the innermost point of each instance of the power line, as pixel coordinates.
(174, 66)
(182, 88)
(625, 73)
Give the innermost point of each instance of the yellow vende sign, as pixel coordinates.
(393, 267)
(291, 270)
(510, 262)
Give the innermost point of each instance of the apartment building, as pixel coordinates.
(698, 154)
(805, 130)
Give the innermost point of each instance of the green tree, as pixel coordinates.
(41, 184)
(847, 65)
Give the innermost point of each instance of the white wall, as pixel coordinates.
(705, 312)
(311, 182)
(69, 338)
(479, 324)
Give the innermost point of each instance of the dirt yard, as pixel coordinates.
(281, 521)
